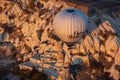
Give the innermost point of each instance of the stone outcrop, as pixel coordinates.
(27, 28)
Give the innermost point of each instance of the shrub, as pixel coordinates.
(39, 76)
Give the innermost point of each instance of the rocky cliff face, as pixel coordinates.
(26, 26)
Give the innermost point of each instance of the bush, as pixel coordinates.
(35, 75)
(15, 70)
(22, 72)
(31, 4)
(39, 76)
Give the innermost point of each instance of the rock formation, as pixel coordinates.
(26, 29)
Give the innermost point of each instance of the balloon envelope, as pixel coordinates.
(70, 25)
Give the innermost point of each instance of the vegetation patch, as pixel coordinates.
(30, 75)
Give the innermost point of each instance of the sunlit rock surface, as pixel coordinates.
(26, 29)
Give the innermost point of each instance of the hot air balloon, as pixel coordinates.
(70, 25)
